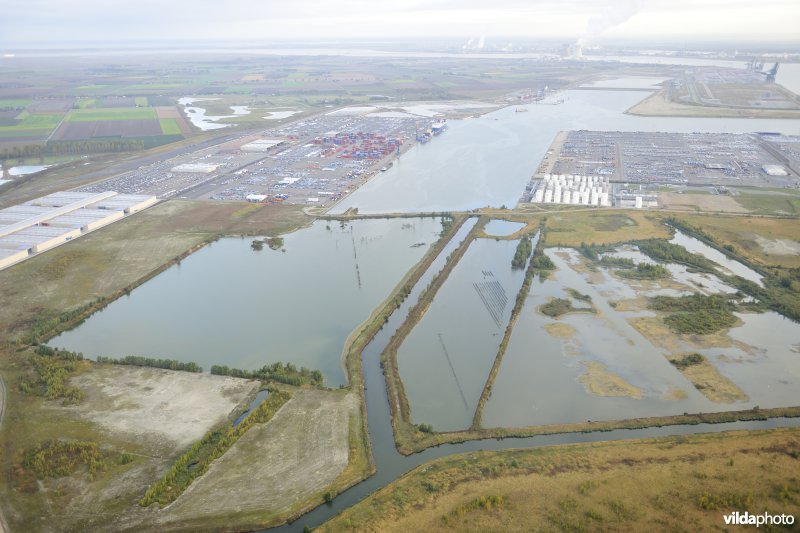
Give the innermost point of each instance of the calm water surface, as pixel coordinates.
(488, 160)
(445, 360)
(227, 304)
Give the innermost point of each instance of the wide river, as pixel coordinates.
(487, 161)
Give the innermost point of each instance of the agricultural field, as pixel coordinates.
(28, 126)
(115, 122)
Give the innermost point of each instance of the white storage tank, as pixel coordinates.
(538, 196)
(548, 196)
(638, 203)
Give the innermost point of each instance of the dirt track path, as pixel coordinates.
(3, 525)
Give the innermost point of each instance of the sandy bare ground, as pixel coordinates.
(657, 104)
(294, 456)
(158, 407)
(778, 246)
(700, 202)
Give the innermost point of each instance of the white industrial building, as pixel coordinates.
(196, 168)
(774, 170)
(573, 189)
(261, 145)
(40, 224)
(636, 200)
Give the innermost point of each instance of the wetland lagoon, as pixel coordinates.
(609, 358)
(228, 304)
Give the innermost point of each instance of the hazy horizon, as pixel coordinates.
(92, 22)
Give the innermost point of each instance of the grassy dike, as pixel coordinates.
(426, 440)
(405, 432)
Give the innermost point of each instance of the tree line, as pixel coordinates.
(282, 373)
(138, 360)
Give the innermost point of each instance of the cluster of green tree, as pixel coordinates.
(557, 307)
(49, 371)
(646, 271)
(66, 355)
(275, 243)
(687, 361)
(697, 313)
(664, 251)
(45, 324)
(524, 248)
(75, 148)
(447, 222)
(540, 261)
(700, 322)
(57, 458)
(578, 295)
(138, 360)
(196, 461)
(693, 302)
(257, 245)
(425, 428)
(620, 262)
(279, 372)
(592, 251)
(588, 251)
(781, 292)
(781, 287)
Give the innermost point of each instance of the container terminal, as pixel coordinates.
(314, 161)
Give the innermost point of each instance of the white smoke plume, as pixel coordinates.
(613, 15)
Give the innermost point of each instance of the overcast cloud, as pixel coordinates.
(113, 20)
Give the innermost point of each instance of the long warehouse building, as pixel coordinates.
(41, 224)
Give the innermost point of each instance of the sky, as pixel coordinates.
(44, 21)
